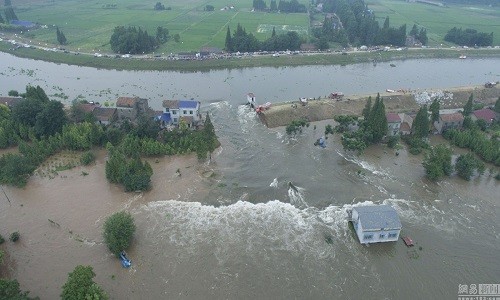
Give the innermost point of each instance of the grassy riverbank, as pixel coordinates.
(243, 62)
(282, 114)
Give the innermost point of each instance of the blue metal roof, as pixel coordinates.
(187, 104)
(165, 117)
(376, 217)
(22, 23)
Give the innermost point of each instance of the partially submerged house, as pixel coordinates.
(449, 121)
(129, 108)
(485, 114)
(176, 111)
(393, 124)
(375, 223)
(105, 115)
(406, 124)
(10, 102)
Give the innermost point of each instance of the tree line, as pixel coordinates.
(247, 42)
(469, 37)
(292, 6)
(132, 40)
(357, 25)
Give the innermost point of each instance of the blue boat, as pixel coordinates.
(124, 260)
(320, 142)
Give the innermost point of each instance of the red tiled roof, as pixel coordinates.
(187, 119)
(172, 104)
(104, 113)
(405, 127)
(452, 117)
(126, 101)
(485, 114)
(10, 101)
(87, 107)
(392, 118)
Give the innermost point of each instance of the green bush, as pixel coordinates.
(415, 150)
(119, 229)
(393, 141)
(1, 239)
(80, 285)
(87, 158)
(14, 237)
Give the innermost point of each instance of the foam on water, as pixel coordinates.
(246, 117)
(296, 196)
(365, 165)
(274, 184)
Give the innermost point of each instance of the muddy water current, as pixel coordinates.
(241, 232)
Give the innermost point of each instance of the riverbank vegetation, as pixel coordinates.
(41, 128)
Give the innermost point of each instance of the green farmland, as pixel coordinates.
(88, 26)
(438, 20)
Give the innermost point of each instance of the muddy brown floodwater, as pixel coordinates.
(60, 219)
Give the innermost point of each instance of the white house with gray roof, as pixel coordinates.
(375, 223)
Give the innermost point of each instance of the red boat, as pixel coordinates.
(408, 241)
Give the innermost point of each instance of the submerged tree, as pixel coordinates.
(420, 126)
(81, 286)
(10, 289)
(119, 230)
(467, 164)
(437, 162)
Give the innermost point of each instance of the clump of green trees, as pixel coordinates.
(437, 162)
(488, 148)
(10, 289)
(357, 25)
(247, 42)
(80, 285)
(40, 128)
(371, 130)
(469, 37)
(119, 230)
(132, 40)
(296, 126)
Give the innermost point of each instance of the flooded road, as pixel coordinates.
(243, 233)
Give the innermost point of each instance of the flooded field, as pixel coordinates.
(241, 232)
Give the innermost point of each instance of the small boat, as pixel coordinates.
(408, 241)
(320, 142)
(126, 262)
(392, 65)
(462, 56)
(293, 187)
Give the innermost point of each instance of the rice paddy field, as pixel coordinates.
(88, 25)
(438, 20)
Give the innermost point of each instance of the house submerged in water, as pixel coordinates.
(375, 223)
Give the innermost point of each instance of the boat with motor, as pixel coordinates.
(125, 261)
